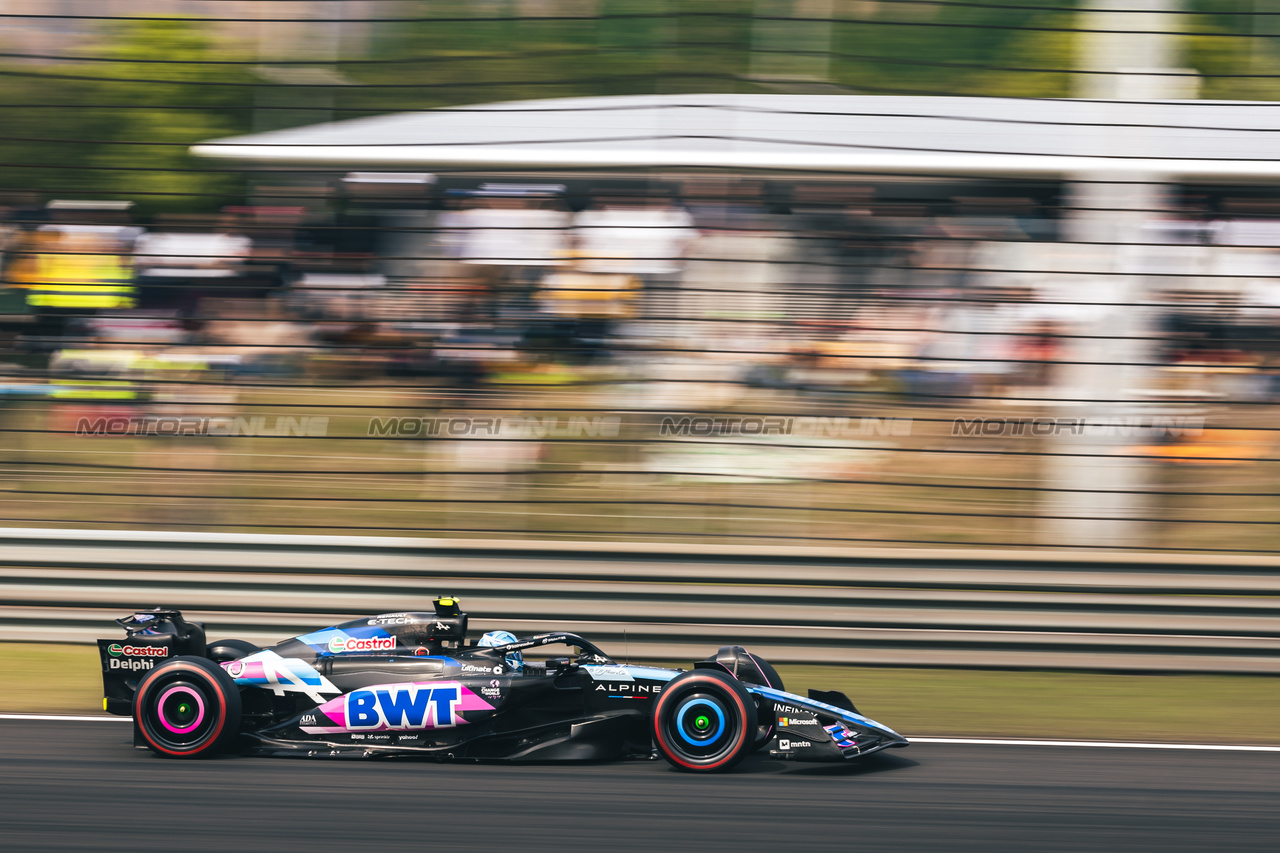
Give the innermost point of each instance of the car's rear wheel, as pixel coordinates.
(225, 650)
(186, 707)
(704, 720)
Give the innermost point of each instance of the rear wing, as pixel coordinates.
(151, 637)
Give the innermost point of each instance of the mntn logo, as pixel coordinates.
(399, 708)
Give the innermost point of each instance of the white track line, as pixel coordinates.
(970, 741)
(1095, 744)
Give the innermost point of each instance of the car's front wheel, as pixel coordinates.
(187, 707)
(764, 707)
(704, 720)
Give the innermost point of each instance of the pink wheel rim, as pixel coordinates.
(199, 701)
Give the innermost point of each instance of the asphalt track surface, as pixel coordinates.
(81, 786)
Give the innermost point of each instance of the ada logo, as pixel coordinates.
(116, 650)
(412, 706)
(339, 645)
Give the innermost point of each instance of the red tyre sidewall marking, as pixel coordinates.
(222, 711)
(670, 753)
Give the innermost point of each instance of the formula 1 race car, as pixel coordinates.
(411, 684)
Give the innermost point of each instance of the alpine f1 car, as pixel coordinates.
(411, 684)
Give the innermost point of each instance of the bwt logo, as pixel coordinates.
(808, 427)
(399, 708)
(258, 425)
(516, 426)
(1103, 427)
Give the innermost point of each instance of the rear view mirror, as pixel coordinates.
(559, 666)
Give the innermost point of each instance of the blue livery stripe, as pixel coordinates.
(651, 673)
(320, 639)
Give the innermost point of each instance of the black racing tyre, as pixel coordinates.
(705, 720)
(770, 674)
(225, 650)
(186, 707)
(765, 716)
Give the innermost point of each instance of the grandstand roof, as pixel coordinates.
(843, 133)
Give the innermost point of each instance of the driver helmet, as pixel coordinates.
(515, 660)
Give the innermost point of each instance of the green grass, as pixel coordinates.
(1199, 708)
(50, 679)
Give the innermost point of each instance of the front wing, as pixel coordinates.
(809, 730)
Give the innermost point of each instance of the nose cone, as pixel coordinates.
(898, 740)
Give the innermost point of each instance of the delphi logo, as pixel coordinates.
(116, 651)
(338, 645)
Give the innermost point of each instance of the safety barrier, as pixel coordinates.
(656, 602)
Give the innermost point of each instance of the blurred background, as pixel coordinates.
(821, 272)
(928, 348)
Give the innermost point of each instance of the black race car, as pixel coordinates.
(411, 684)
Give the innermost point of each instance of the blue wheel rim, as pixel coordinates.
(700, 724)
(699, 705)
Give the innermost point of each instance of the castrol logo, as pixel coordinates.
(338, 645)
(116, 650)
